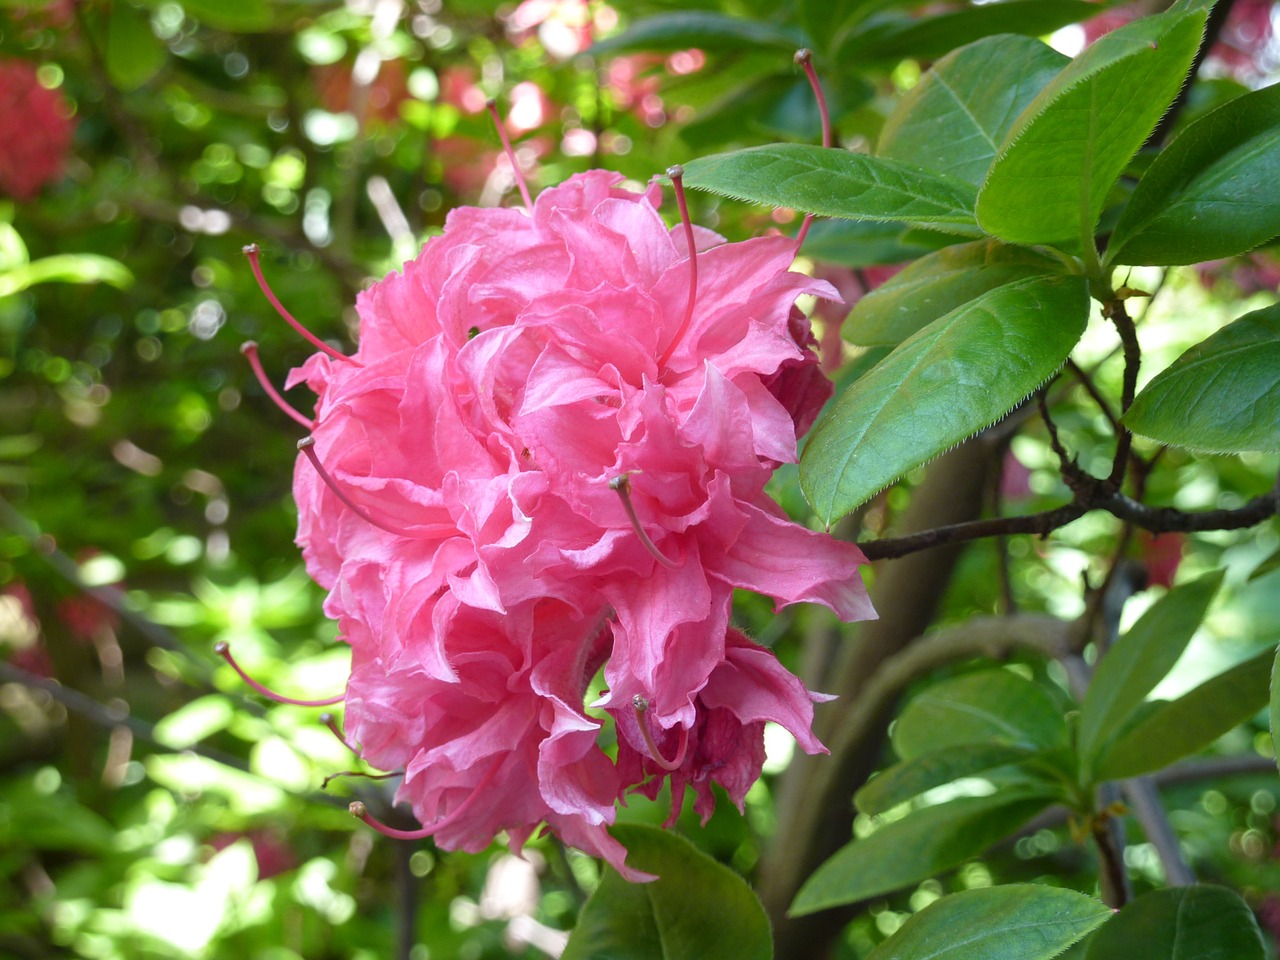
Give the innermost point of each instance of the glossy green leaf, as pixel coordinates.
(1059, 160)
(927, 38)
(956, 117)
(703, 29)
(1222, 395)
(953, 378)
(922, 844)
(1184, 923)
(1017, 921)
(939, 283)
(861, 243)
(65, 268)
(909, 779)
(1210, 193)
(986, 707)
(133, 53)
(834, 183)
(1140, 659)
(668, 919)
(1169, 731)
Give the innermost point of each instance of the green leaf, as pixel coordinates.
(927, 38)
(1169, 731)
(1222, 395)
(700, 28)
(955, 377)
(939, 283)
(860, 243)
(134, 54)
(249, 15)
(955, 118)
(1140, 659)
(834, 183)
(1017, 921)
(923, 843)
(913, 777)
(1051, 177)
(989, 706)
(670, 918)
(66, 268)
(1209, 193)
(1185, 923)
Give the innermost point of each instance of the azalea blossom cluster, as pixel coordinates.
(547, 458)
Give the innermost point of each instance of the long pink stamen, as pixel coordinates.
(805, 59)
(331, 722)
(250, 350)
(640, 705)
(676, 173)
(622, 487)
(251, 251)
(511, 155)
(307, 446)
(358, 810)
(223, 649)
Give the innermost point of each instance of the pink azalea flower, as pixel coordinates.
(36, 129)
(545, 458)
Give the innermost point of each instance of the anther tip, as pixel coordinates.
(222, 648)
(326, 717)
(356, 809)
(675, 171)
(803, 55)
(249, 346)
(640, 703)
(249, 249)
(620, 482)
(491, 103)
(306, 442)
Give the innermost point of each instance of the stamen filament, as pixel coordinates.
(622, 487)
(251, 251)
(640, 705)
(329, 721)
(676, 173)
(223, 649)
(804, 58)
(358, 810)
(307, 445)
(511, 155)
(250, 350)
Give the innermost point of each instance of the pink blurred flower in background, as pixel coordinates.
(35, 128)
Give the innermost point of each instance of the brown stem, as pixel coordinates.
(815, 816)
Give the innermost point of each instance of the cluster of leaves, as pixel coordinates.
(1027, 190)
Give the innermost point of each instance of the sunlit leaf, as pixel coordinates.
(1058, 162)
(1222, 395)
(957, 116)
(945, 383)
(1016, 921)
(1169, 731)
(834, 183)
(1140, 659)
